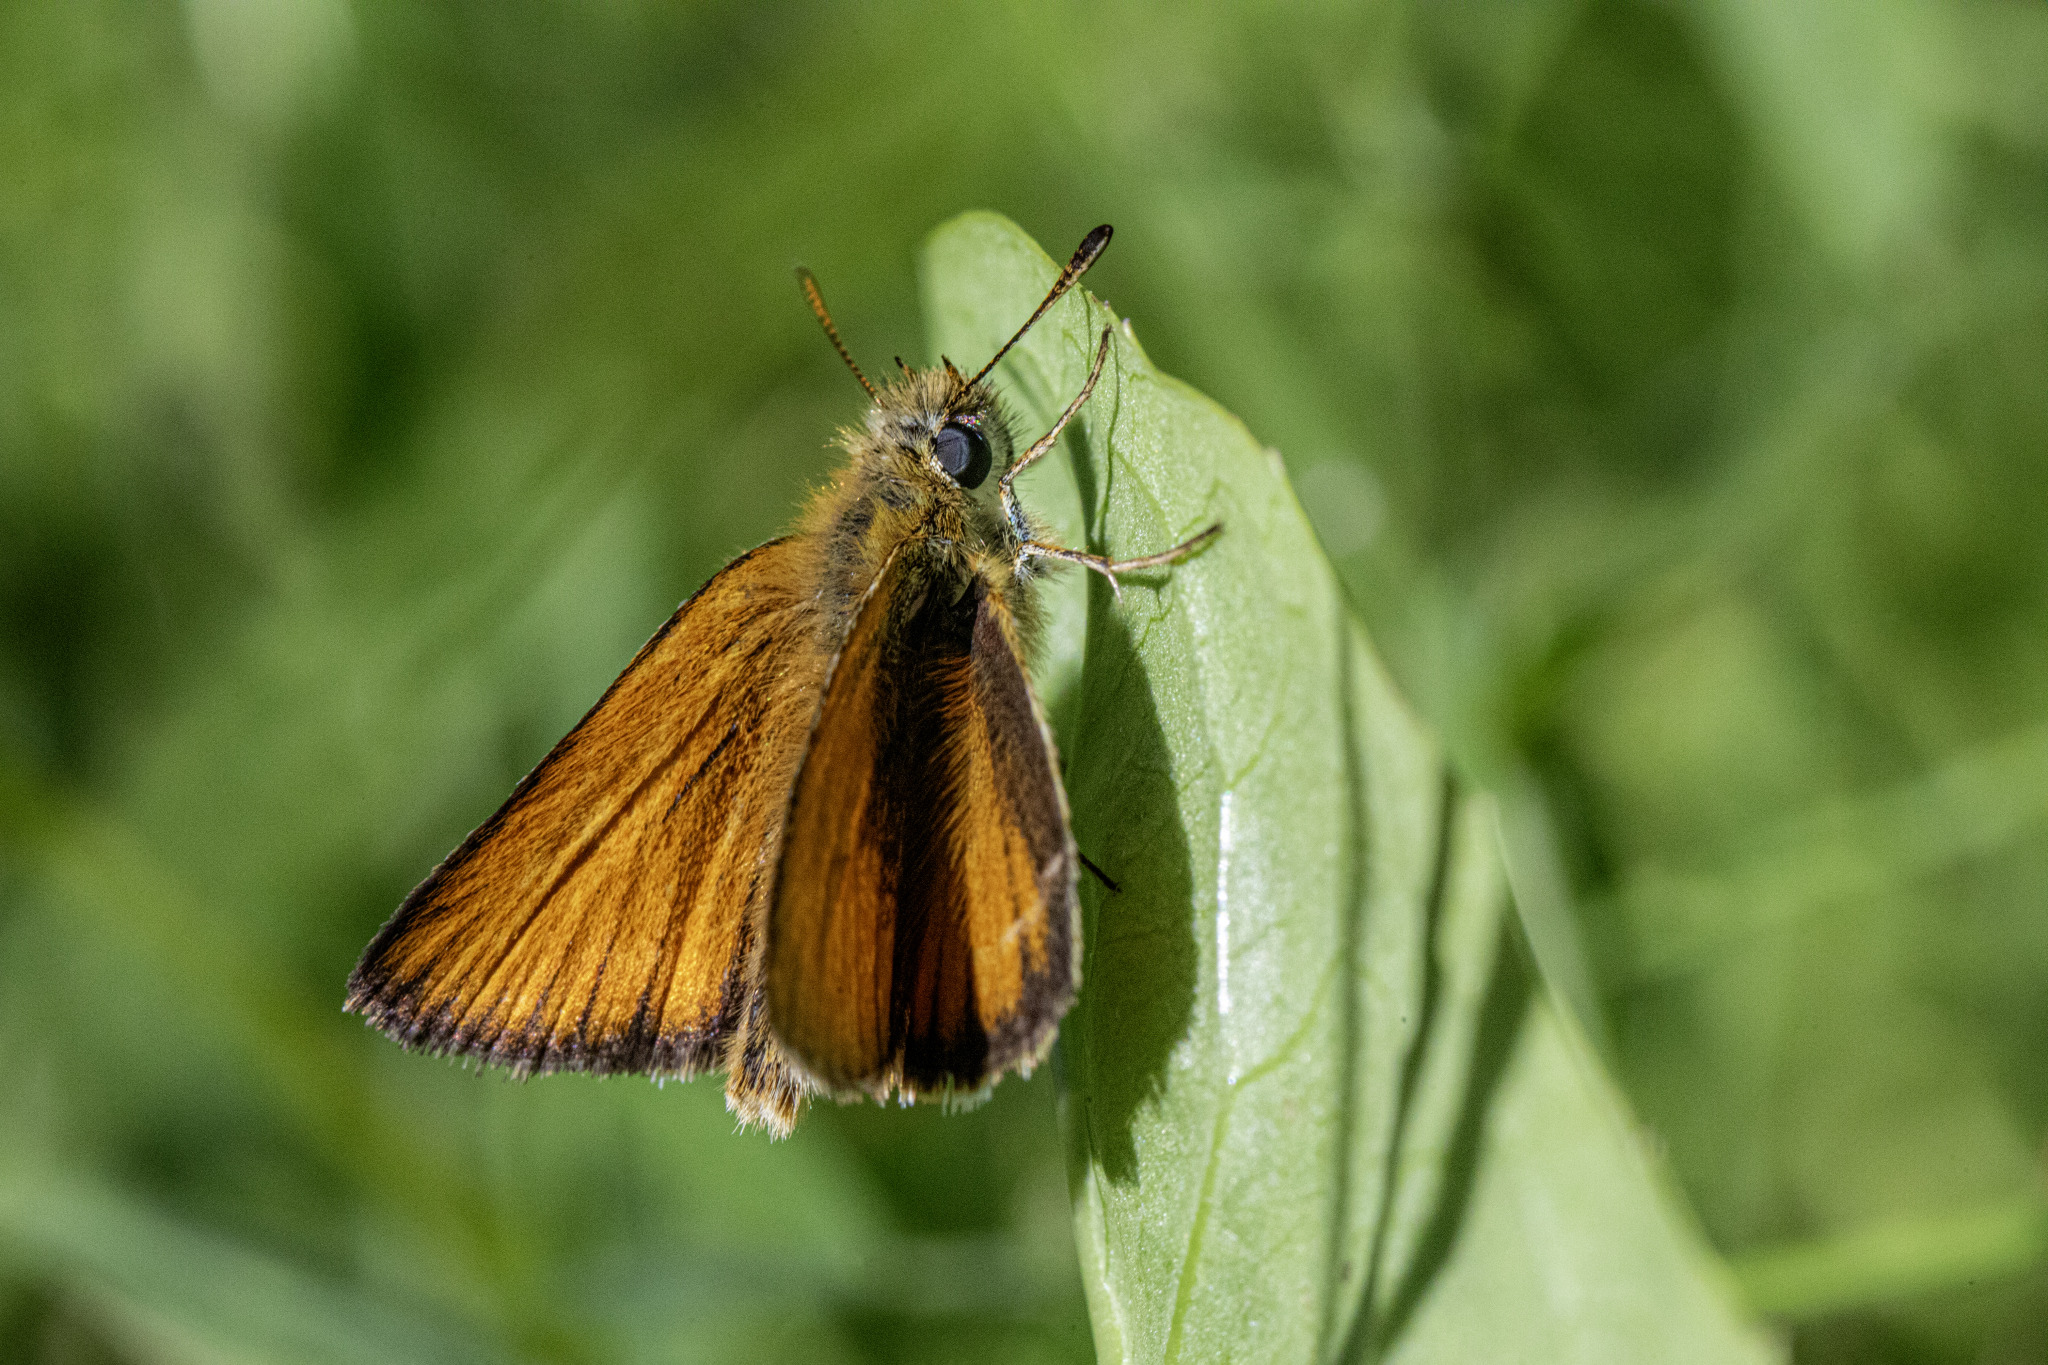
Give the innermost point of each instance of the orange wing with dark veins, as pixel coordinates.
(923, 935)
(605, 918)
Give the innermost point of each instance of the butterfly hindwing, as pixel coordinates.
(922, 935)
(602, 919)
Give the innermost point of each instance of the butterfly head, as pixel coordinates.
(951, 432)
(937, 426)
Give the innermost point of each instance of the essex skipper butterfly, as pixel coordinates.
(815, 833)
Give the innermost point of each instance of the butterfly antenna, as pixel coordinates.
(810, 284)
(1084, 256)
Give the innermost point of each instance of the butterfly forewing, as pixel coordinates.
(922, 934)
(599, 921)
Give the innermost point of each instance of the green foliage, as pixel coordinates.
(1314, 1109)
(1666, 382)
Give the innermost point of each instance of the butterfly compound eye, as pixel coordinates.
(962, 453)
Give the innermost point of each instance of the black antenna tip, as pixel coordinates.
(1091, 246)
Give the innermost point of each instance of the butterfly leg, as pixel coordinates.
(1110, 568)
(1100, 875)
(1011, 511)
(1037, 549)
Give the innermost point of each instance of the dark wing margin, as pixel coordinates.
(923, 937)
(604, 919)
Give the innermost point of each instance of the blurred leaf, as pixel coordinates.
(1842, 97)
(1316, 1105)
(199, 1295)
(1897, 1259)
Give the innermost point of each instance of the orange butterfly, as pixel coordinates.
(814, 834)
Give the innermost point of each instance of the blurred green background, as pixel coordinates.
(1668, 382)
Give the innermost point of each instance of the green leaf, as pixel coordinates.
(1318, 1105)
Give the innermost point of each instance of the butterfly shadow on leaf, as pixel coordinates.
(1140, 958)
